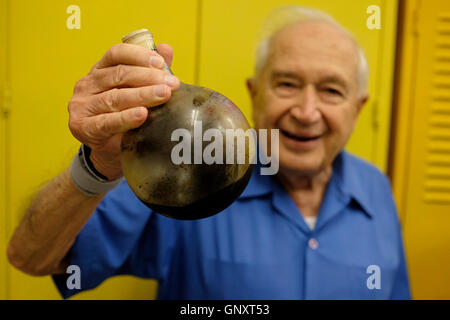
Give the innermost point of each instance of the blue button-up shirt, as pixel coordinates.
(258, 248)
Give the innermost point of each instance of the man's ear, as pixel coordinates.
(362, 101)
(251, 86)
(252, 90)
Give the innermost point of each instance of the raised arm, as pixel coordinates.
(109, 101)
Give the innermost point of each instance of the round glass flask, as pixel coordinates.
(194, 154)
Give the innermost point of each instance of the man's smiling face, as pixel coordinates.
(309, 90)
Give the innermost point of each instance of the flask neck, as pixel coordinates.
(144, 38)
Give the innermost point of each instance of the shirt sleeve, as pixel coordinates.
(122, 236)
(400, 289)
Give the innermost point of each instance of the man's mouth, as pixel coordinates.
(298, 137)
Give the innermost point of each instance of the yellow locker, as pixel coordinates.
(228, 39)
(3, 148)
(209, 38)
(46, 59)
(422, 153)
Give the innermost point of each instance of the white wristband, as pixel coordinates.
(85, 181)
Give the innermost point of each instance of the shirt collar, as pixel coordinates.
(258, 185)
(347, 177)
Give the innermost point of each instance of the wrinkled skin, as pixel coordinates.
(308, 90)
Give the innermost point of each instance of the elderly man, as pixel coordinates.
(309, 83)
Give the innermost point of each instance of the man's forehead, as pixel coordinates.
(305, 32)
(318, 39)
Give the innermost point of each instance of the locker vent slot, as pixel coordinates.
(437, 172)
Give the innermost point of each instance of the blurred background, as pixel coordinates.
(46, 46)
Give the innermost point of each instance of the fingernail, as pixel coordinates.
(171, 80)
(156, 62)
(160, 91)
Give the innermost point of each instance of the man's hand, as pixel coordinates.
(113, 98)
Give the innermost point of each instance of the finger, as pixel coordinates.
(119, 99)
(130, 54)
(166, 52)
(121, 76)
(108, 124)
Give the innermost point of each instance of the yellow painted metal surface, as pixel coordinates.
(3, 110)
(47, 58)
(228, 39)
(422, 162)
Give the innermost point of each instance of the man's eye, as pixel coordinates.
(286, 84)
(333, 91)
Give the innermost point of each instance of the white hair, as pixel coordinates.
(284, 16)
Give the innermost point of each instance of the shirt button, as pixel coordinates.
(313, 243)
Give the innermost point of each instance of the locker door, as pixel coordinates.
(3, 259)
(3, 239)
(229, 32)
(3, 115)
(422, 158)
(47, 58)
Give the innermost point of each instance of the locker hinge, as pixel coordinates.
(375, 115)
(415, 19)
(5, 100)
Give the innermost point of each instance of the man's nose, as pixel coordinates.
(306, 109)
